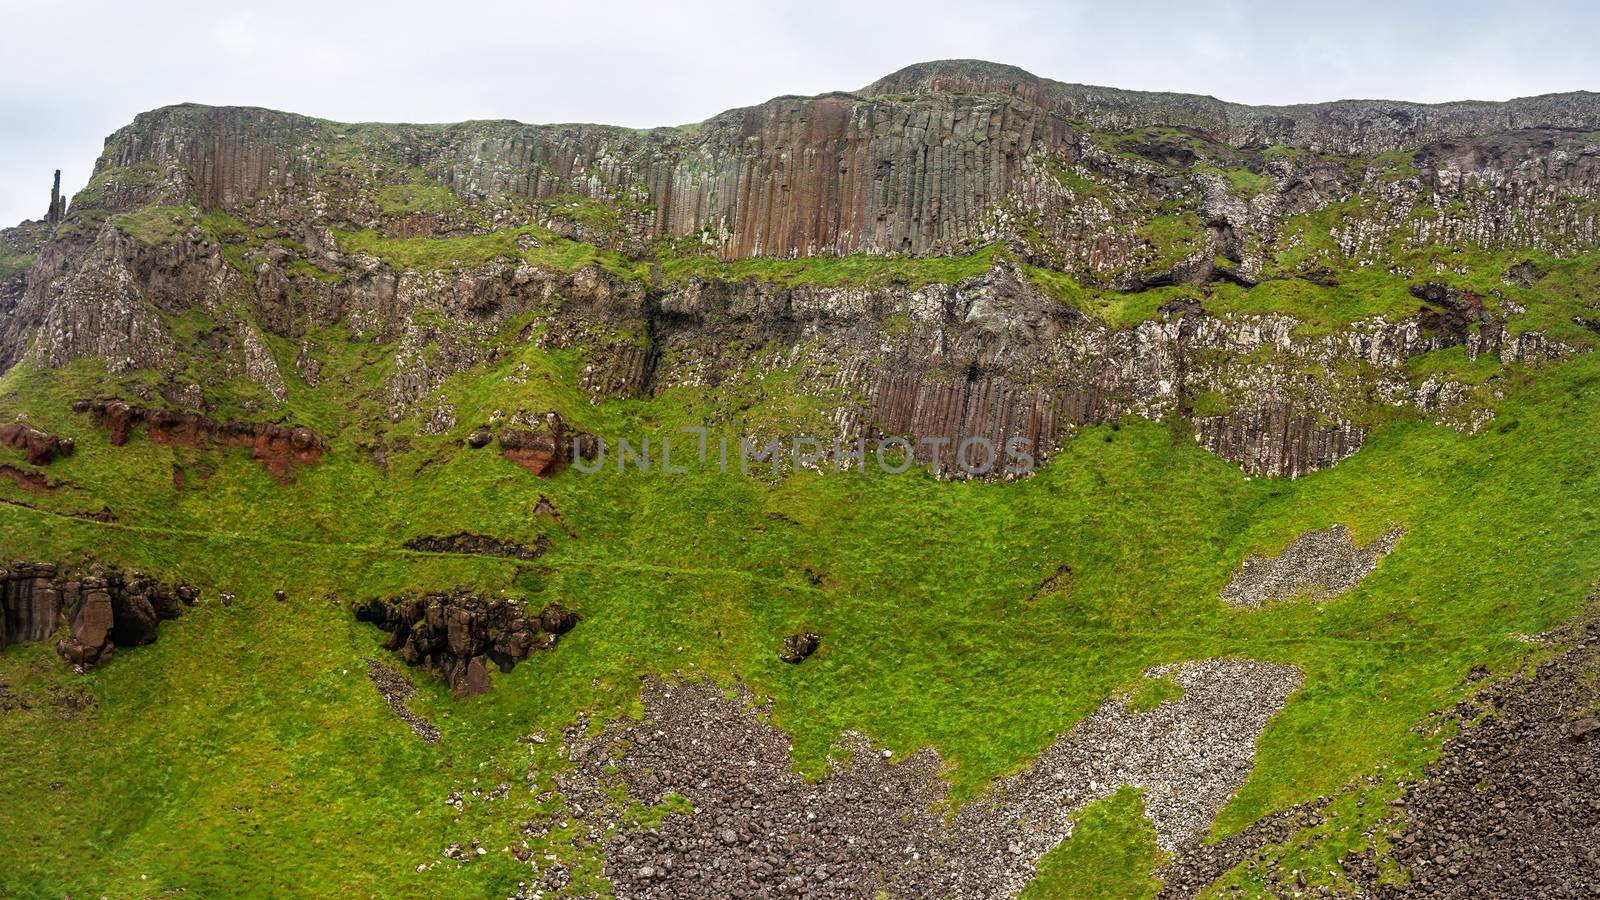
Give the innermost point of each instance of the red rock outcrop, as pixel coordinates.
(549, 449)
(279, 448)
(41, 447)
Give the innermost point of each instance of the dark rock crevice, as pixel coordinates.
(482, 544)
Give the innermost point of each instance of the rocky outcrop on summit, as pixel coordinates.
(925, 160)
(1344, 126)
(279, 448)
(459, 635)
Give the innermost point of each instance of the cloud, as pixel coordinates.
(76, 71)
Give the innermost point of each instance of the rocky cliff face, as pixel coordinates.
(925, 160)
(212, 238)
(102, 609)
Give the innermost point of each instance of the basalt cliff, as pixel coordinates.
(959, 249)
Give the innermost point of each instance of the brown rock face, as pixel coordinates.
(940, 158)
(41, 447)
(33, 482)
(917, 162)
(90, 641)
(1277, 439)
(547, 450)
(30, 602)
(278, 448)
(111, 609)
(453, 634)
(944, 416)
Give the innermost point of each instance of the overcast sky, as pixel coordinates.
(72, 72)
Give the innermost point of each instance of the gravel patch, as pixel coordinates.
(1319, 564)
(396, 688)
(1512, 806)
(872, 825)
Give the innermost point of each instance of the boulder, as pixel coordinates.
(799, 646)
(473, 680)
(40, 446)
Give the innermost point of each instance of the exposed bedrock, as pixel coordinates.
(549, 448)
(1276, 438)
(103, 609)
(278, 448)
(468, 542)
(923, 160)
(940, 158)
(991, 357)
(113, 609)
(40, 447)
(1351, 126)
(872, 826)
(459, 635)
(30, 602)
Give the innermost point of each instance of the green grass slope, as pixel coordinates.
(246, 753)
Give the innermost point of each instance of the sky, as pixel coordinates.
(73, 71)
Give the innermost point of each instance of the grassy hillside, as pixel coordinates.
(247, 752)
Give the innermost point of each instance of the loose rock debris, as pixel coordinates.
(1319, 564)
(871, 825)
(396, 688)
